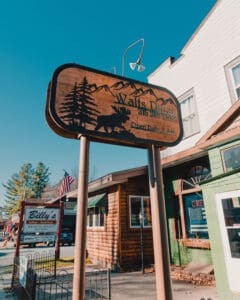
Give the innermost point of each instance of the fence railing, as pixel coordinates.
(44, 281)
(98, 284)
(54, 287)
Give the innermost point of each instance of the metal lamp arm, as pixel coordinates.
(130, 46)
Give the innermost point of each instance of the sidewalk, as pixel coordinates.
(130, 285)
(136, 286)
(5, 284)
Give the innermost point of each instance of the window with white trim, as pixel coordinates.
(140, 211)
(97, 209)
(231, 158)
(189, 114)
(96, 217)
(232, 71)
(236, 79)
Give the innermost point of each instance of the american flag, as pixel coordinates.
(66, 182)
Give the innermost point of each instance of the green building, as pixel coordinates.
(203, 203)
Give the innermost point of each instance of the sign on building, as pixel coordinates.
(41, 220)
(113, 109)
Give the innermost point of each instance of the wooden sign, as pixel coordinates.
(112, 109)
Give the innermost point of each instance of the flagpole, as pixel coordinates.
(81, 222)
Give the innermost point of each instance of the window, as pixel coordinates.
(140, 206)
(90, 217)
(232, 71)
(97, 208)
(228, 211)
(196, 174)
(196, 222)
(190, 220)
(236, 79)
(96, 217)
(231, 211)
(189, 114)
(231, 158)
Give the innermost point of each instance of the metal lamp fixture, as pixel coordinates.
(137, 64)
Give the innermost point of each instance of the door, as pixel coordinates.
(228, 208)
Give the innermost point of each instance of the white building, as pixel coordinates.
(202, 172)
(206, 77)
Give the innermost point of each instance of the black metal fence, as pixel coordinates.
(44, 282)
(27, 290)
(38, 263)
(98, 284)
(54, 287)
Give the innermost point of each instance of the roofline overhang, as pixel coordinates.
(107, 181)
(183, 156)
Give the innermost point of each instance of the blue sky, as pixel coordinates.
(37, 37)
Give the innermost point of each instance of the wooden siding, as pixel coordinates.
(116, 245)
(102, 242)
(130, 252)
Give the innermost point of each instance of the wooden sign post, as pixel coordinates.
(81, 222)
(98, 106)
(159, 226)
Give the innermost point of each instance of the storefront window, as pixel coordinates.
(196, 222)
(191, 221)
(231, 211)
(140, 205)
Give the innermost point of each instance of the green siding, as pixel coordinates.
(222, 184)
(215, 162)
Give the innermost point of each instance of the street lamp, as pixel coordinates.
(141, 221)
(137, 64)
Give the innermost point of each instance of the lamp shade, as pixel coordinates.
(132, 65)
(141, 68)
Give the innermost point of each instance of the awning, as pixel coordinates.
(97, 200)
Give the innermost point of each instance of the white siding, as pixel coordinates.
(201, 66)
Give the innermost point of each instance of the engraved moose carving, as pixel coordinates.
(116, 119)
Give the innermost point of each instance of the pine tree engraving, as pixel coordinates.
(79, 107)
(87, 111)
(69, 107)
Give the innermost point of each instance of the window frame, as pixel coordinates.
(96, 217)
(223, 151)
(192, 117)
(180, 218)
(142, 210)
(228, 68)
